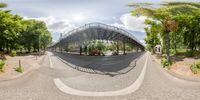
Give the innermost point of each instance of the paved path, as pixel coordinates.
(39, 84)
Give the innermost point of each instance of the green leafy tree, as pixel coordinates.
(152, 34)
(10, 27)
(3, 5)
(17, 33)
(166, 15)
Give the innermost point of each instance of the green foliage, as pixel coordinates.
(195, 68)
(3, 5)
(164, 61)
(2, 63)
(28, 34)
(182, 3)
(13, 53)
(19, 69)
(189, 53)
(152, 38)
(96, 47)
(176, 24)
(143, 11)
(139, 4)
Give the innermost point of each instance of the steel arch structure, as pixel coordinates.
(98, 31)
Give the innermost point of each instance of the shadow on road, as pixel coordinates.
(103, 65)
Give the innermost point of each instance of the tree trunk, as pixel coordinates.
(38, 49)
(175, 43)
(168, 47)
(7, 47)
(29, 48)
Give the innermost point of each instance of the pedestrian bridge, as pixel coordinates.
(80, 37)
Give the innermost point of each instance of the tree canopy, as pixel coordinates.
(17, 33)
(175, 23)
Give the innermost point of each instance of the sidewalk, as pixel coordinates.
(181, 73)
(28, 63)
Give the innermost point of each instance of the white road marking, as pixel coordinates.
(132, 88)
(51, 65)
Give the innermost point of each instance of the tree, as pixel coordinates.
(166, 15)
(40, 36)
(152, 34)
(17, 33)
(10, 28)
(3, 5)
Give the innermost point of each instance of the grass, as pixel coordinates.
(196, 68)
(13, 53)
(178, 51)
(19, 69)
(2, 64)
(165, 63)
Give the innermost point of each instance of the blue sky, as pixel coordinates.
(64, 15)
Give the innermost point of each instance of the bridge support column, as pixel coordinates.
(137, 48)
(60, 48)
(124, 48)
(85, 49)
(80, 51)
(117, 48)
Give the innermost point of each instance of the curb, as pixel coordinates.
(130, 89)
(28, 71)
(174, 75)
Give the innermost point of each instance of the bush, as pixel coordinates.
(114, 53)
(2, 63)
(195, 67)
(164, 62)
(19, 69)
(172, 51)
(189, 53)
(2, 55)
(13, 53)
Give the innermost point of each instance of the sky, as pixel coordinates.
(62, 16)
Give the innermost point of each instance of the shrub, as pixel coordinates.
(172, 51)
(114, 53)
(19, 69)
(189, 53)
(13, 53)
(164, 62)
(195, 67)
(2, 55)
(2, 63)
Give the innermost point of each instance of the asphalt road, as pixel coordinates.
(40, 84)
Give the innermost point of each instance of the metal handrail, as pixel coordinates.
(89, 25)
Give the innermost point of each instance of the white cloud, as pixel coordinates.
(133, 22)
(143, 42)
(118, 25)
(54, 25)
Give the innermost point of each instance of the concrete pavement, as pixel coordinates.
(39, 84)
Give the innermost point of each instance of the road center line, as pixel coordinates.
(132, 88)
